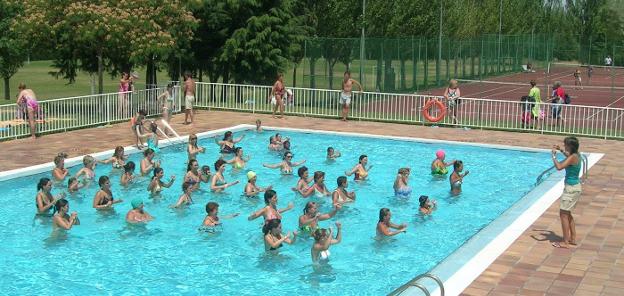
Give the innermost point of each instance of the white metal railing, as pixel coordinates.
(581, 120)
(83, 111)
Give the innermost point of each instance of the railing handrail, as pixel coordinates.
(414, 283)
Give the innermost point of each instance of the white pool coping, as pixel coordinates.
(460, 268)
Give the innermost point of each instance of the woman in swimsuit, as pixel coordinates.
(212, 215)
(73, 185)
(332, 154)
(118, 159)
(194, 176)
(276, 142)
(302, 185)
(103, 199)
(273, 236)
(87, 171)
(27, 103)
(427, 206)
(318, 188)
(147, 163)
(228, 142)
(270, 211)
(239, 161)
(185, 198)
(360, 170)
(167, 102)
(384, 225)
(457, 178)
(152, 139)
(124, 88)
(259, 126)
(138, 130)
(438, 166)
(401, 189)
(322, 240)
(218, 183)
(128, 176)
(192, 148)
(44, 199)
(251, 189)
(277, 92)
(59, 172)
(286, 165)
(308, 222)
(156, 185)
(340, 195)
(61, 218)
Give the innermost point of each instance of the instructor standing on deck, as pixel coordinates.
(347, 92)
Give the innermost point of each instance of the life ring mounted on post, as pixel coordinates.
(429, 105)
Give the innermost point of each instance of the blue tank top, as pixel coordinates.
(572, 173)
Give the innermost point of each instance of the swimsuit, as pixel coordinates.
(324, 255)
(237, 165)
(227, 149)
(361, 174)
(157, 187)
(317, 192)
(403, 192)
(439, 171)
(152, 145)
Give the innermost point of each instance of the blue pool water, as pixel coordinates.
(170, 256)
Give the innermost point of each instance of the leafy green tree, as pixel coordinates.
(12, 46)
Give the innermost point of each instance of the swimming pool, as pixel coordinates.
(170, 256)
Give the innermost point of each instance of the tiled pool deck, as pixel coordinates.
(530, 266)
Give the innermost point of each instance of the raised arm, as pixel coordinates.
(272, 166)
(288, 208)
(256, 214)
(331, 214)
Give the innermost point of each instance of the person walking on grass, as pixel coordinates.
(571, 190)
(189, 97)
(347, 93)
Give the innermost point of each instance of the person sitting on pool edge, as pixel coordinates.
(273, 236)
(457, 178)
(384, 225)
(438, 166)
(360, 170)
(427, 206)
(322, 240)
(332, 154)
(61, 218)
(138, 214)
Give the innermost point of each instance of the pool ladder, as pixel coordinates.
(414, 283)
(584, 161)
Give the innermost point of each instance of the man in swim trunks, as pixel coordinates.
(347, 92)
(27, 103)
(189, 97)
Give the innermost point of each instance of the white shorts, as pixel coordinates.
(273, 100)
(188, 102)
(570, 196)
(345, 99)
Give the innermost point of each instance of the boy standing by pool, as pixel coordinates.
(189, 97)
(347, 92)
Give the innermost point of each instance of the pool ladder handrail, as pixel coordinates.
(584, 161)
(414, 283)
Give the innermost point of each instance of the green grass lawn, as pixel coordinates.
(35, 76)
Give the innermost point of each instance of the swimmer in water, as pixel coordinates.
(427, 206)
(194, 175)
(270, 211)
(185, 198)
(332, 154)
(212, 215)
(218, 182)
(302, 185)
(152, 140)
(401, 189)
(340, 195)
(438, 166)
(61, 218)
(259, 126)
(457, 178)
(60, 172)
(322, 240)
(238, 161)
(147, 163)
(273, 236)
(384, 225)
(138, 214)
(128, 175)
(228, 142)
(192, 149)
(156, 185)
(103, 199)
(87, 171)
(251, 189)
(360, 170)
(318, 188)
(308, 222)
(73, 185)
(286, 165)
(44, 199)
(276, 142)
(118, 159)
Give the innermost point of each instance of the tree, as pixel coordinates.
(12, 47)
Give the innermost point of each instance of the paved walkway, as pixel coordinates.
(531, 266)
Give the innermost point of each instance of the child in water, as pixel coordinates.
(438, 166)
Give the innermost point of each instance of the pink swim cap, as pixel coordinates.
(440, 154)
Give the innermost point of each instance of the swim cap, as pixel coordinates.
(440, 154)
(136, 202)
(250, 175)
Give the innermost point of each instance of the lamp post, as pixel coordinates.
(362, 43)
(439, 48)
(500, 31)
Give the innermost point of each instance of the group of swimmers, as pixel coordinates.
(274, 237)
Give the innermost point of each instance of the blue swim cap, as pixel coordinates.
(136, 202)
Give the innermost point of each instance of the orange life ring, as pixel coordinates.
(428, 106)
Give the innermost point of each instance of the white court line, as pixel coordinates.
(596, 113)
